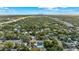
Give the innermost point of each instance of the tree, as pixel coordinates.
(47, 44)
(8, 45)
(40, 36)
(56, 48)
(52, 45)
(22, 47)
(9, 35)
(25, 37)
(54, 42)
(1, 34)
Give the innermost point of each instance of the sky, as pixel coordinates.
(38, 10)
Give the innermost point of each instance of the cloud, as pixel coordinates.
(46, 8)
(60, 10)
(7, 10)
(4, 9)
(50, 8)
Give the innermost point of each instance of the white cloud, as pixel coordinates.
(4, 8)
(50, 8)
(7, 10)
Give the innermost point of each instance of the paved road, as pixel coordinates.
(15, 20)
(63, 22)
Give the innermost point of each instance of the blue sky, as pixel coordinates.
(38, 10)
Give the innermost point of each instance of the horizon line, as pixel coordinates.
(37, 14)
